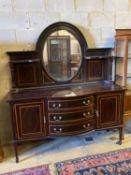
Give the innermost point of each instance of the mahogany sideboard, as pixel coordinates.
(63, 88)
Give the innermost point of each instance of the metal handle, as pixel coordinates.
(86, 114)
(59, 105)
(60, 129)
(57, 118)
(60, 117)
(86, 126)
(57, 130)
(86, 102)
(54, 117)
(53, 105)
(56, 106)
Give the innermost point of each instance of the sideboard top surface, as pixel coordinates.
(66, 91)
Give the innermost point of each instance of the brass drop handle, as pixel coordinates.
(54, 117)
(57, 118)
(60, 117)
(57, 130)
(86, 102)
(60, 129)
(53, 105)
(86, 114)
(59, 105)
(86, 126)
(56, 106)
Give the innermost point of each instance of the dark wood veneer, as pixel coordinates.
(96, 69)
(28, 117)
(71, 129)
(108, 106)
(26, 70)
(44, 108)
(78, 115)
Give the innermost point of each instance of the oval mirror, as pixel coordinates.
(61, 51)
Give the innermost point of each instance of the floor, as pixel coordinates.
(51, 151)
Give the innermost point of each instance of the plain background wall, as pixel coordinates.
(22, 21)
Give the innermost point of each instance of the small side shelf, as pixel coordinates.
(98, 57)
(98, 63)
(25, 61)
(25, 69)
(19, 55)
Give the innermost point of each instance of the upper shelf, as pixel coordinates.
(98, 53)
(97, 57)
(23, 56)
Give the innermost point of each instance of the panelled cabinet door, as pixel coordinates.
(29, 118)
(96, 69)
(26, 75)
(109, 110)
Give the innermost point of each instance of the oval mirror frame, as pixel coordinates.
(56, 27)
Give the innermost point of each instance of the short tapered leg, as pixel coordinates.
(16, 152)
(121, 135)
(1, 154)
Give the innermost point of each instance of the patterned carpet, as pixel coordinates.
(111, 163)
(38, 170)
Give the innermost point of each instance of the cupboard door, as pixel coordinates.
(29, 118)
(96, 69)
(109, 110)
(26, 74)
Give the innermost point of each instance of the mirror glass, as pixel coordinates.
(62, 55)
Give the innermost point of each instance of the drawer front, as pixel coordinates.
(71, 116)
(72, 103)
(71, 129)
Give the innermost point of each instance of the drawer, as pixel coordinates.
(71, 116)
(70, 103)
(71, 129)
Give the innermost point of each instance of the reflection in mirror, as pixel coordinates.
(62, 55)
